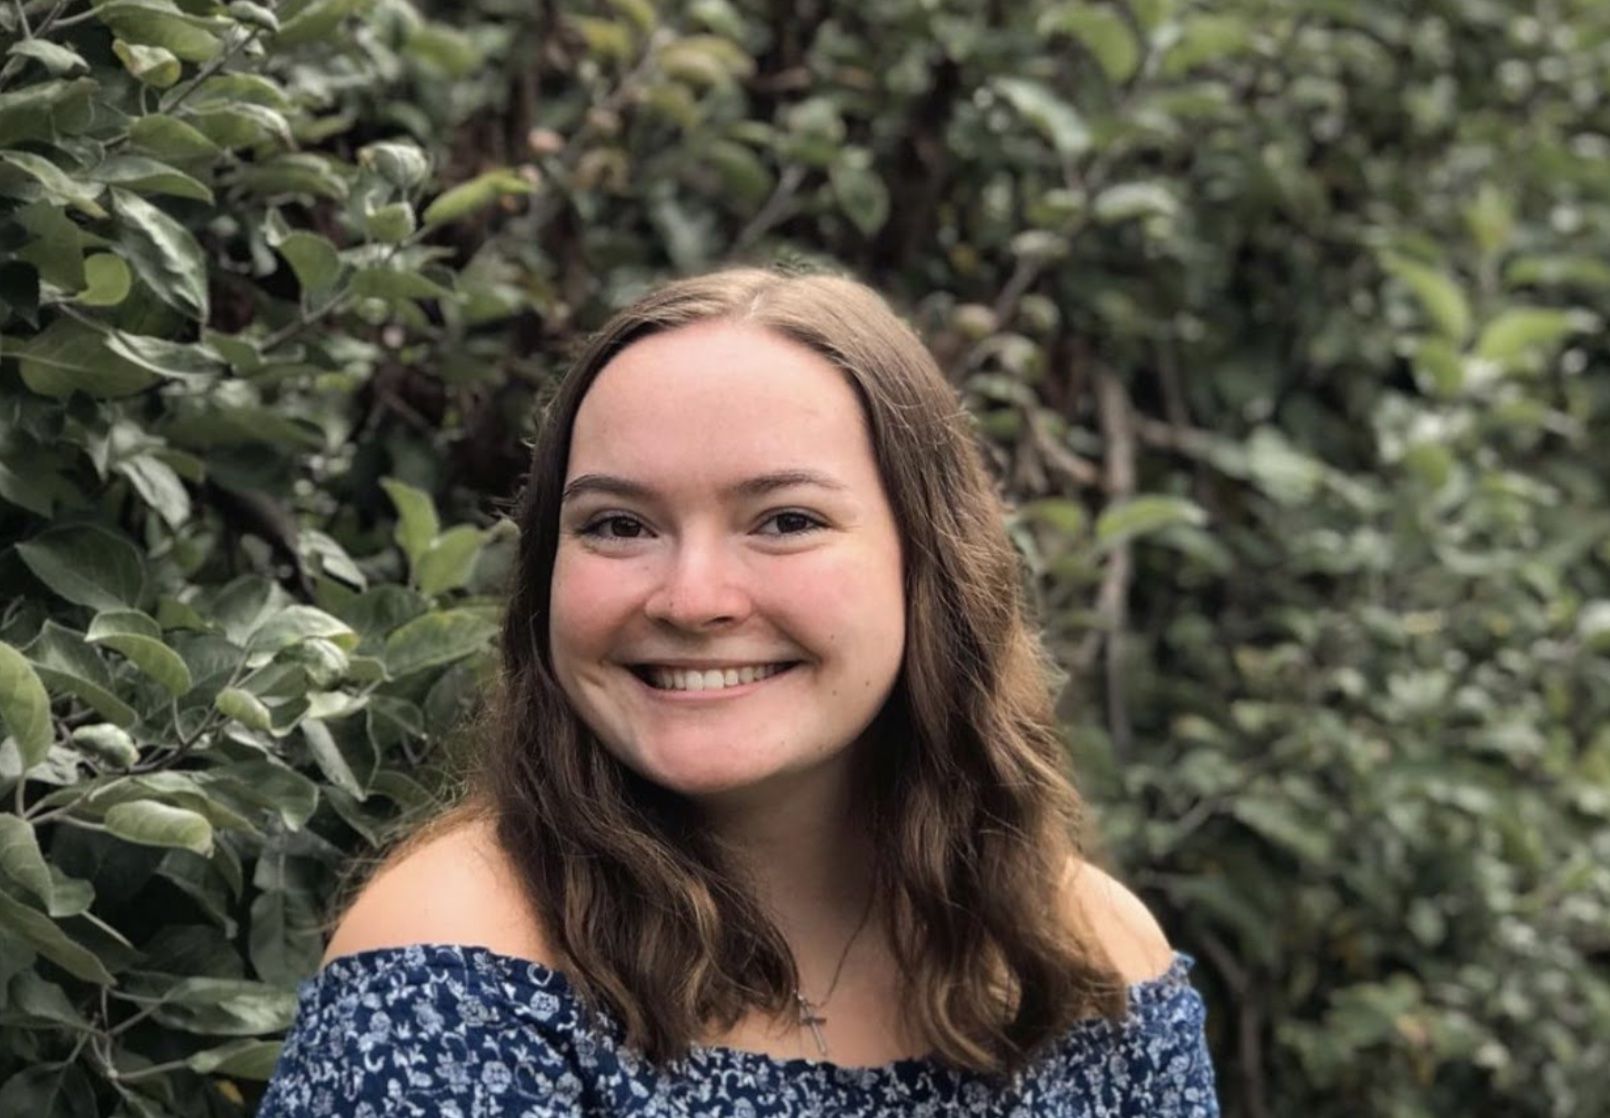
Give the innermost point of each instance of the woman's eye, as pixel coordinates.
(614, 528)
(792, 523)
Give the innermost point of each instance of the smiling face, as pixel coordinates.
(727, 605)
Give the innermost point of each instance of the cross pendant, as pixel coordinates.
(812, 1020)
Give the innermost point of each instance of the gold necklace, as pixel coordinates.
(810, 1013)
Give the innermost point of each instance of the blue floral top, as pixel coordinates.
(464, 1032)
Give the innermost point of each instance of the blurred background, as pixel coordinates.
(1282, 320)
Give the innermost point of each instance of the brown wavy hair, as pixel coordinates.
(974, 819)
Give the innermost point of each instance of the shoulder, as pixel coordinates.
(1117, 920)
(452, 885)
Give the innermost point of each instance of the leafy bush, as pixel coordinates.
(1282, 321)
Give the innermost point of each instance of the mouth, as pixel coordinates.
(663, 678)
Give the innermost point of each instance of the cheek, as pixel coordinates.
(586, 601)
(858, 600)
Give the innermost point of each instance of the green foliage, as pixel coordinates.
(1282, 321)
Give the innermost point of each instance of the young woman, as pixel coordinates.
(773, 819)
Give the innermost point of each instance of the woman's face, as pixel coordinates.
(727, 602)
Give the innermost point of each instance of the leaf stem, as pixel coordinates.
(239, 43)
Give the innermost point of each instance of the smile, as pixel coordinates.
(708, 679)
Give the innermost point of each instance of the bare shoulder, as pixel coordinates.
(456, 886)
(1119, 921)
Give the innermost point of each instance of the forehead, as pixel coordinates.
(722, 393)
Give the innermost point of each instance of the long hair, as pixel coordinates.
(974, 820)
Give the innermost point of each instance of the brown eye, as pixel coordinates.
(616, 527)
(792, 524)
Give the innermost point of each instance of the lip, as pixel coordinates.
(721, 695)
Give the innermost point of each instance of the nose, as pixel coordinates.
(702, 588)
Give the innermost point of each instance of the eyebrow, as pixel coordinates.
(756, 486)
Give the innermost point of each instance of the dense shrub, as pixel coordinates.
(1281, 319)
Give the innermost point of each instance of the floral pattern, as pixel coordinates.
(464, 1032)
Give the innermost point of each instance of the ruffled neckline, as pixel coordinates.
(1142, 996)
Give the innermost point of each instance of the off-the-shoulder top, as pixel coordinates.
(450, 1031)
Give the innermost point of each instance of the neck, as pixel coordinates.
(804, 844)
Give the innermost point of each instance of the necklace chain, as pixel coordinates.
(810, 1013)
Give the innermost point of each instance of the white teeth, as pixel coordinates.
(714, 679)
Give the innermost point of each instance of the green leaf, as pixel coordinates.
(328, 757)
(57, 246)
(1282, 471)
(59, 60)
(160, 23)
(254, 15)
(395, 283)
(58, 186)
(1102, 31)
(298, 623)
(1518, 331)
(1282, 824)
(234, 89)
(285, 941)
(1491, 218)
(24, 706)
(447, 562)
(240, 125)
(446, 50)
(317, 20)
(53, 1090)
(158, 486)
(417, 525)
(477, 194)
(226, 1007)
(1206, 38)
(106, 281)
(137, 172)
(744, 175)
(1067, 517)
(46, 111)
(108, 743)
(1138, 516)
(400, 162)
(87, 565)
(42, 933)
(391, 224)
(195, 364)
(605, 39)
(150, 823)
(241, 1059)
(66, 662)
(164, 254)
(156, 67)
(1438, 294)
(702, 61)
(1127, 201)
(437, 638)
(20, 858)
(1583, 271)
(1053, 117)
(243, 707)
(170, 138)
(139, 638)
(859, 189)
(294, 173)
(45, 1001)
(271, 785)
(312, 258)
(68, 356)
